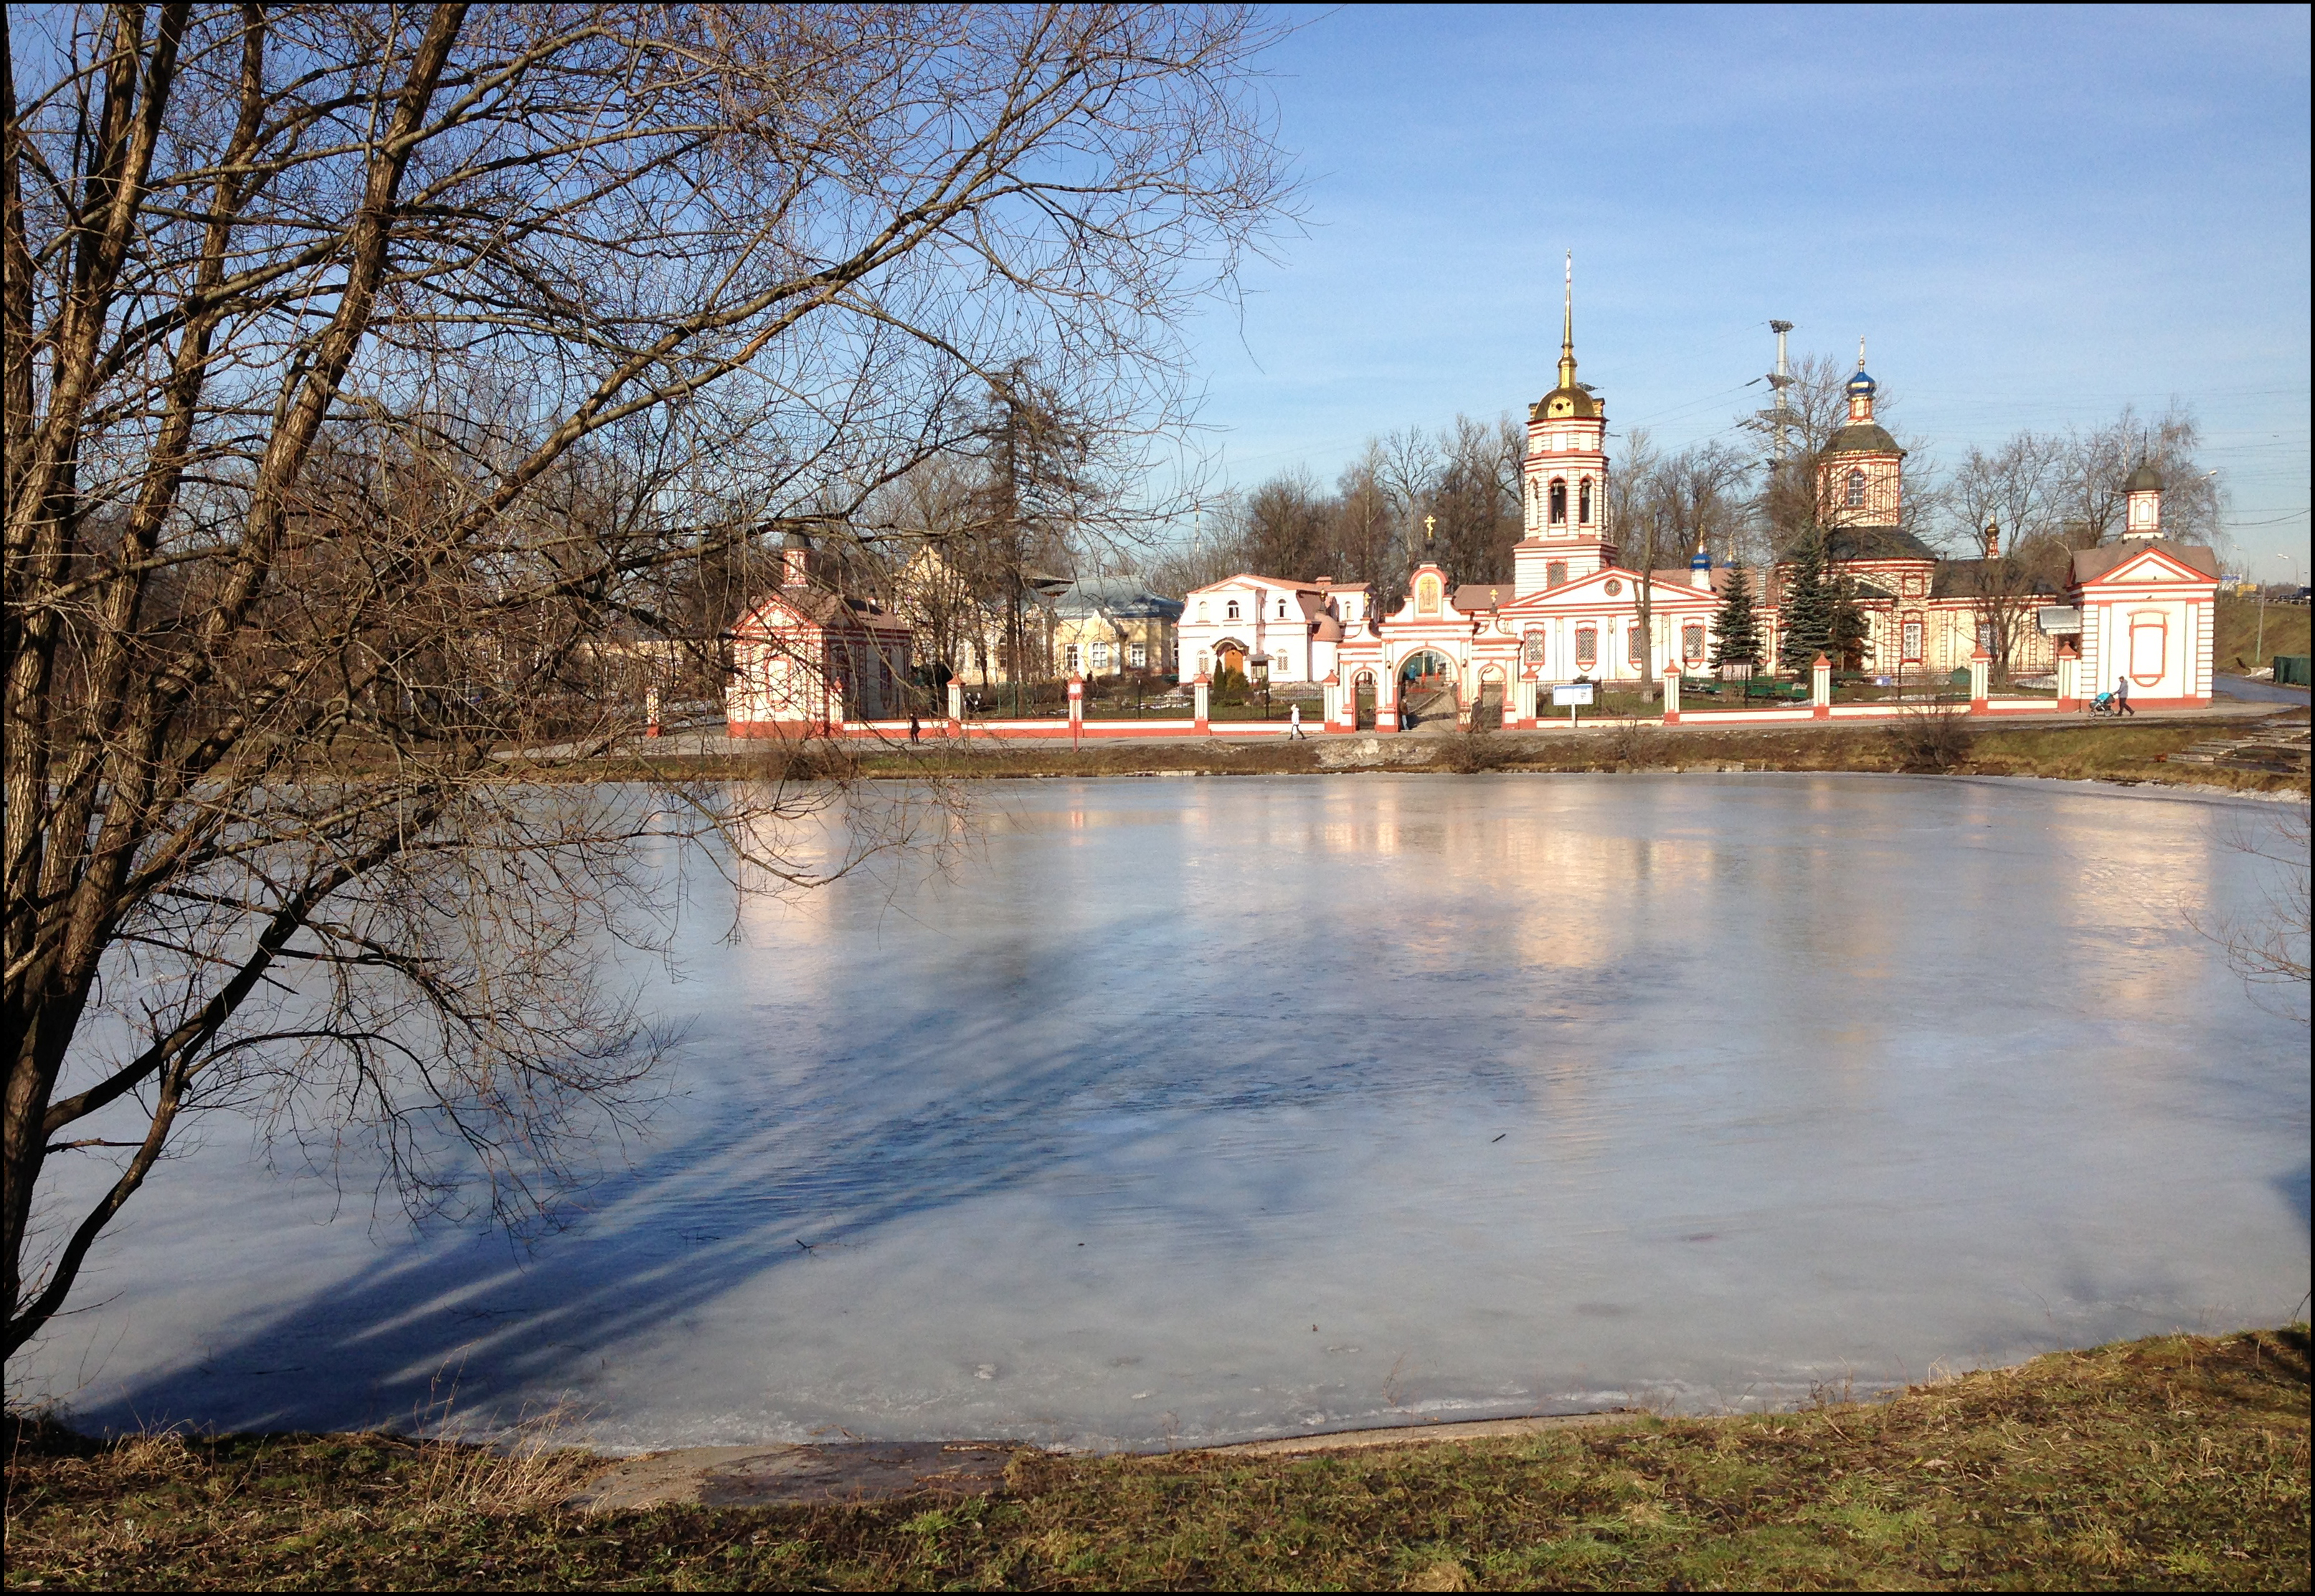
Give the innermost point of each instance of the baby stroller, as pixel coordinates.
(2106, 703)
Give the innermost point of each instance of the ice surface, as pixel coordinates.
(1197, 1110)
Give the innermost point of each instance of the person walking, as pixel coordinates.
(2122, 695)
(1294, 723)
(915, 730)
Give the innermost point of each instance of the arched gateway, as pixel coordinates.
(1427, 688)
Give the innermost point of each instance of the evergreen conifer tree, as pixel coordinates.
(1848, 632)
(1736, 629)
(1805, 615)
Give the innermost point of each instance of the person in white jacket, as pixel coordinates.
(1294, 723)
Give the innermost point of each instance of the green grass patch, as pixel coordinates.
(2180, 1461)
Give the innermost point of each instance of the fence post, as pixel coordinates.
(1200, 690)
(1821, 688)
(1981, 667)
(2069, 670)
(955, 708)
(1077, 711)
(1671, 694)
(651, 712)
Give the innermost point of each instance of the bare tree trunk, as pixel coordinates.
(383, 388)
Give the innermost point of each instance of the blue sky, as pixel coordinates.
(2036, 215)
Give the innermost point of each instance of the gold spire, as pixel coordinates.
(1567, 330)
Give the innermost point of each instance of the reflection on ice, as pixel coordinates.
(1197, 1110)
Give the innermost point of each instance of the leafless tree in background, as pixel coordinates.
(1789, 508)
(370, 375)
(2270, 949)
(2020, 509)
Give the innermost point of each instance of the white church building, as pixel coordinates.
(1573, 612)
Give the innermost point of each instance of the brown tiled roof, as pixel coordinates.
(2090, 564)
(830, 611)
(1969, 579)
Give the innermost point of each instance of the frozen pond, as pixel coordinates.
(1195, 1110)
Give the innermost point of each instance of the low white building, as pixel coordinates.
(1295, 625)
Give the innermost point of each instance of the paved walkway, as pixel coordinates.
(2261, 692)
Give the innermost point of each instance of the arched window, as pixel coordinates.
(1635, 645)
(1692, 642)
(1202, 610)
(1531, 646)
(1584, 503)
(1555, 573)
(1559, 504)
(1857, 490)
(1232, 612)
(1282, 610)
(1587, 647)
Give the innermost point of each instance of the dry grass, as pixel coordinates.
(1937, 739)
(2077, 751)
(2239, 646)
(2180, 1461)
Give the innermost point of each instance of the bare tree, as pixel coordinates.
(2095, 468)
(1410, 468)
(366, 372)
(1283, 526)
(1366, 536)
(1475, 500)
(2270, 950)
(1794, 501)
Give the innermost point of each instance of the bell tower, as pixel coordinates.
(1565, 476)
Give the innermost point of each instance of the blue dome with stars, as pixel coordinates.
(1862, 384)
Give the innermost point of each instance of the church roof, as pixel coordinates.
(2090, 564)
(2144, 480)
(1478, 597)
(1974, 578)
(1561, 403)
(1118, 595)
(1870, 542)
(834, 612)
(1864, 437)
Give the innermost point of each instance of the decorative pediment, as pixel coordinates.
(1593, 592)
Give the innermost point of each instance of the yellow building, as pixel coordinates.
(1112, 626)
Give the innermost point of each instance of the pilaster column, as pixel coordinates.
(1980, 668)
(2069, 670)
(1199, 690)
(1671, 694)
(1821, 688)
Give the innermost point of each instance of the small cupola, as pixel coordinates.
(2142, 514)
(1860, 389)
(795, 560)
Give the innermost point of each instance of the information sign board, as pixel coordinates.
(1571, 693)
